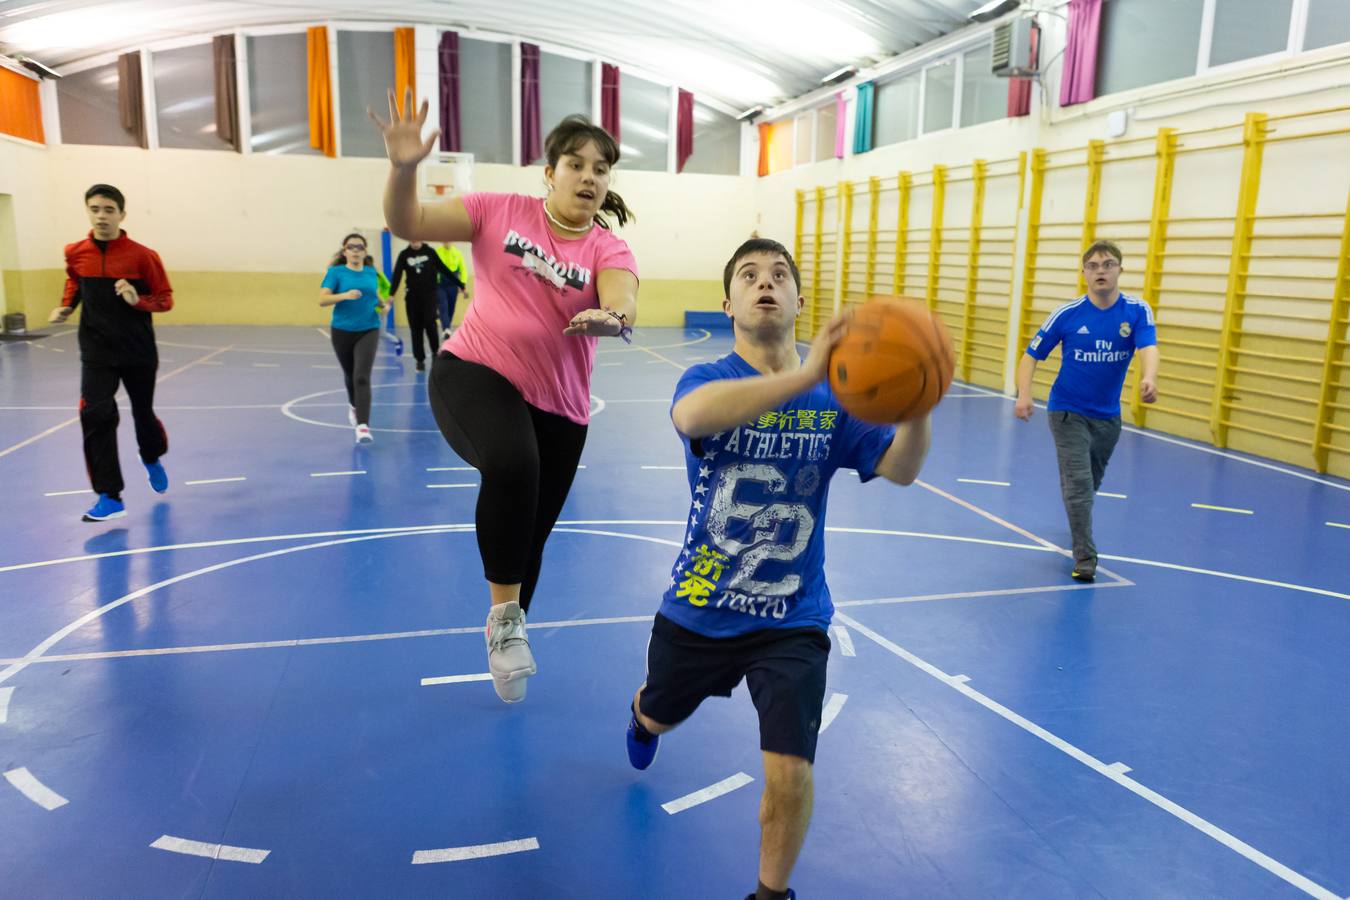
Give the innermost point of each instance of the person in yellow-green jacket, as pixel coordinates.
(448, 289)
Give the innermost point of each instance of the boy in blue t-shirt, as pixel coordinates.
(1100, 332)
(762, 434)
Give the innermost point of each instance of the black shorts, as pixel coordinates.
(783, 667)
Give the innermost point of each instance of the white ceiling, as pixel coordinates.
(741, 52)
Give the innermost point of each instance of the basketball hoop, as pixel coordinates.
(446, 174)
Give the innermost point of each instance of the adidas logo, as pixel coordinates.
(1083, 329)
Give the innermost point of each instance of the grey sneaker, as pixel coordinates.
(1085, 570)
(509, 657)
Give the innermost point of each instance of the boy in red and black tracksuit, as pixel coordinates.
(120, 283)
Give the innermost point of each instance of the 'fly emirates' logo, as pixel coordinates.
(546, 267)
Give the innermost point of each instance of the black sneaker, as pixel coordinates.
(421, 365)
(1085, 571)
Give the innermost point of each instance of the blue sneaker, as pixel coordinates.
(642, 744)
(159, 479)
(106, 508)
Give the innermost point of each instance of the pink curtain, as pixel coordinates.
(609, 99)
(531, 138)
(1019, 89)
(448, 77)
(840, 110)
(1079, 81)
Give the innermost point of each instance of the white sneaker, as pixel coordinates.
(509, 657)
(363, 435)
(351, 416)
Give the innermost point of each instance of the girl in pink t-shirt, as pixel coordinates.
(511, 388)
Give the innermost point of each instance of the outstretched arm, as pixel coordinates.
(403, 212)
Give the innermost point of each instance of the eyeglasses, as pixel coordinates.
(354, 247)
(1101, 267)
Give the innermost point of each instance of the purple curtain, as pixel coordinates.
(840, 125)
(609, 99)
(1079, 81)
(448, 76)
(1019, 89)
(684, 129)
(531, 140)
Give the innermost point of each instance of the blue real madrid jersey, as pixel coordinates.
(754, 548)
(1098, 345)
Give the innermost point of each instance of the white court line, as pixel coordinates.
(664, 468)
(67, 493)
(609, 364)
(1205, 827)
(844, 640)
(332, 474)
(653, 362)
(1119, 768)
(1166, 439)
(1229, 509)
(1108, 494)
(218, 480)
(450, 469)
(210, 851)
(5, 694)
(1338, 525)
(831, 710)
(328, 366)
(996, 592)
(712, 792)
(961, 679)
(467, 485)
(458, 679)
(267, 365)
(982, 481)
(479, 851)
(324, 333)
(213, 363)
(27, 784)
(1229, 575)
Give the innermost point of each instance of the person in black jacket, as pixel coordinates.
(121, 283)
(422, 266)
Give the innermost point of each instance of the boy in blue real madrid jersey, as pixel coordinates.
(1099, 331)
(762, 434)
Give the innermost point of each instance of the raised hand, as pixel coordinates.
(403, 134)
(593, 323)
(817, 363)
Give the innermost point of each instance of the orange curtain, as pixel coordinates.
(20, 107)
(405, 66)
(320, 93)
(765, 145)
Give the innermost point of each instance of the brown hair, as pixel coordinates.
(340, 260)
(569, 136)
(1106, 247)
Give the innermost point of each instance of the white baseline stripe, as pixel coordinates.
(998, 592)
(331, 474)
(712, 792)
(1108, 494)
(1109, 771)
(982, 481)
(267, 365)
(451, 469)
(831, 710)
(458, 679)
(217, 480)
(844, 639)
(1338, 525)
(470, 484)
(456, 854)
(665, 468)
(67, 493)
(1231, 509)
(26, 784)
(210, 851)
(5, 694)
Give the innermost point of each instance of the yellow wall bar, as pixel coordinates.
(1157, 240)
(1096, 152)
(935, 239)
(1253, 141)
(797, 232)
(1335, 357)
(972, 263)
(846, 242)
(1038, 164)
(813, 322)
(901, 233)
(873, 201)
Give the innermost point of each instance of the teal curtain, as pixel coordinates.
(864, 117)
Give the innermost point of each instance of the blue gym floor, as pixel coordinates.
(236, 668)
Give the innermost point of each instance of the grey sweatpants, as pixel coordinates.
(1083, 446)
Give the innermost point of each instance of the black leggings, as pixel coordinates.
(356, 353)
(526, 457)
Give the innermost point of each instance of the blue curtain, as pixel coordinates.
(864, 117)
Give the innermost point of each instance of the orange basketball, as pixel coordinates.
(894, 364)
